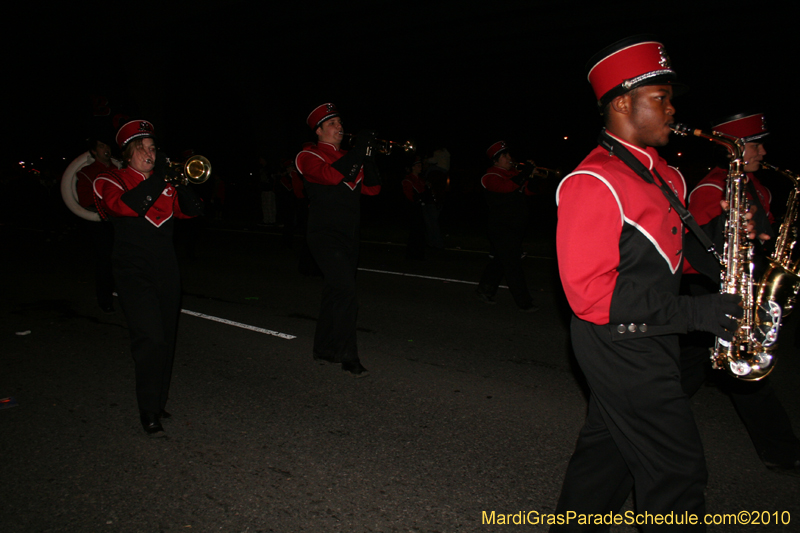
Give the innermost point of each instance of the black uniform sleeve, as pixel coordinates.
(144, 195)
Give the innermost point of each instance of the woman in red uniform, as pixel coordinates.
(142, 206)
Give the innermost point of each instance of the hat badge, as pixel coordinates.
(664, 61)
(763, 123)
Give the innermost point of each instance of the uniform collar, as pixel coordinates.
(329, 146)
(647, 157)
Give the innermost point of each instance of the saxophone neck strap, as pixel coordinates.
(616, 148)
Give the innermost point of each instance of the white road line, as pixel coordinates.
(424, 277)
(239, 324)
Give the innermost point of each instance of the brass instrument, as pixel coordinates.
(385, 147)
(539, 172)
(780, 283)
(195, 170)
(68, 186)
(749, 355)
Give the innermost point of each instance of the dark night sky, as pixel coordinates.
(236, 79)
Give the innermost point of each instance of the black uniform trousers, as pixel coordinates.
(148, 283)
(507, 222)
(415, 248)
(639, 432)
(333, 238)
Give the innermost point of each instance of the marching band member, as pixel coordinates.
(102, 233)
(506, 193)
(418, 194)
(620, 255)
(335, 180)
(143, 207)
(756, 402)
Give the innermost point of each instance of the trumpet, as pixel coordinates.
(539, 172)
(195, 170)
(385, 147)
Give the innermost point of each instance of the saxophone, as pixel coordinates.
(749, 355)
(780, 282)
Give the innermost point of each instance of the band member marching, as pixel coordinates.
(102, 233)
(620, 243)
(506, 193)
(756, 402)
(335, 180)
(143, 207)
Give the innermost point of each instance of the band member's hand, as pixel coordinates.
(751, 224)
(715, 313)
(365, 143)
(160, 167)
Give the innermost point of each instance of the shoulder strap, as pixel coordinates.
(616, 148)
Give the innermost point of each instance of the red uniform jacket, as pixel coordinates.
(620, 243)
(110, 186)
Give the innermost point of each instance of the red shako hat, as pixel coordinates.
(321, 114)
(133, 130)
(496, 149)
(627, 64)
(747, 126)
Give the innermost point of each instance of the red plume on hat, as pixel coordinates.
(627, 64)
(134, 129)
(320, 114)
(749, 127)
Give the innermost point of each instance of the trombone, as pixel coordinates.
(385, 147)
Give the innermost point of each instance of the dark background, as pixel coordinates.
(235, 80)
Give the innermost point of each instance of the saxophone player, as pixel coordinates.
(620, 243)
(756, 402)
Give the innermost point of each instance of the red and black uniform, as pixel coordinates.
(102, 235)
(620, 256)
(143, 211)
(85, 183)
(704, 199)
(757, 403)
(508, 218)
(333, 237)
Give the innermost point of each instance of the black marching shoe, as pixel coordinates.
(355, 368)
(151, 423)
(164, 415)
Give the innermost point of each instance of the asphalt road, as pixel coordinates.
(469, 408)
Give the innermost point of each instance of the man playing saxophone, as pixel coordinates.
(756, 402)
(620, 243)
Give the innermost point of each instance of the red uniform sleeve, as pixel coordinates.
(497, 183)
(109, 192)
(587, 240)
(408, 190)
(704, 202)
(317, 170)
